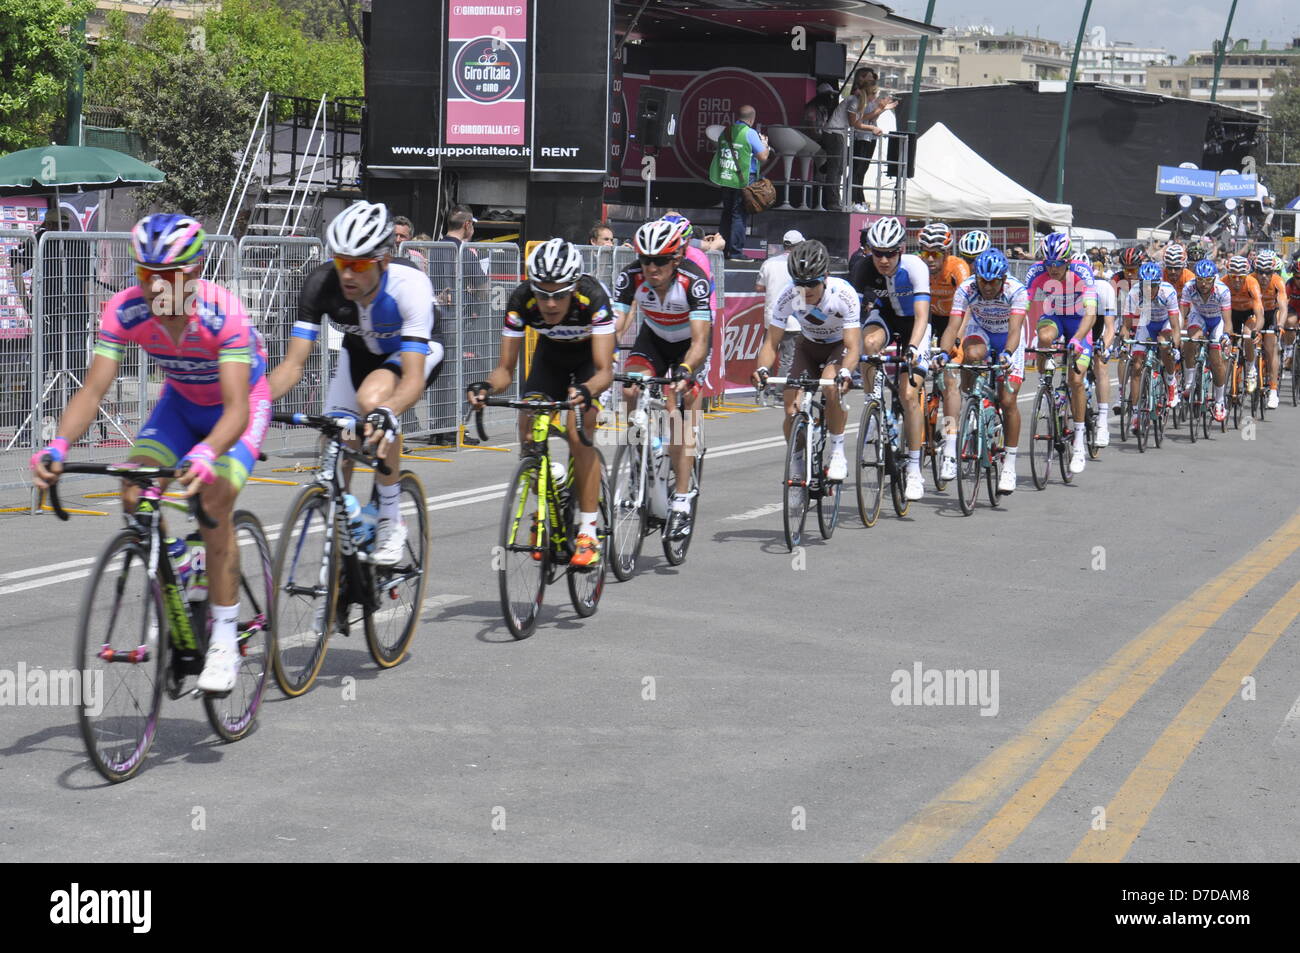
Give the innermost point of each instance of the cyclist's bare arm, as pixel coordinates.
(289, 371)
(80, 412)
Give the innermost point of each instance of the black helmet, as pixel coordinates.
(808, 261)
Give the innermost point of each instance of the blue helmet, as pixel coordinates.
(991, 265)
(1205, 268)
(164, 240)
(1149, 271)
(1056, 249)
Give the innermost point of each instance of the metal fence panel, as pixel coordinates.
(17, 367)
(487, 274)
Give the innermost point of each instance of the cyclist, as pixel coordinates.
(1176, 271)
(1247, 311)
(1292, 313)
(1153, 305)
(1125, 277)
(1066, 296)
(947, 272)
(212, 413)
(574, 359)
(988, 316)
(1272, 290)
(672, 296)
(392, 346)
(829, 342)
(1206, 309)
(1107, 311)
(973, 244)
(895, 291)
(692, 251)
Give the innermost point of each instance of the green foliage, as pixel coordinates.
(1284, 120)
(37, 58)
(321, 19)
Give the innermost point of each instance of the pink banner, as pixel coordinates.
(465, 124)
(487, 45)
(738, 339)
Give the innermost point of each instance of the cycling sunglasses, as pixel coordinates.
(886, 254)
(808, 282)
(659, 260)
(148, 276)
(354, 264)
(932, 254)
(552, 295)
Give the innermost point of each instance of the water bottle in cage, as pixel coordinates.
(179, 553)
(197, 590)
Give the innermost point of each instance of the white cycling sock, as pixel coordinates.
(1218, 392)
(389, 501)
(1080, 434)
(1189, 376)
(914, 461)
(837, 443)
(1011, 459)
(950, 444)
(224, 620)
(587, 524)
(681, 503)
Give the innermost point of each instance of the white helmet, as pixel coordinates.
(555, 260)
(886, 233)
(935, 236)
(659, 237)
(360, 230)
(973, 244)
(1175, 255)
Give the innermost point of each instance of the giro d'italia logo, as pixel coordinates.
(486, 70)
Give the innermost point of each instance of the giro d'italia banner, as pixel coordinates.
(487, 81)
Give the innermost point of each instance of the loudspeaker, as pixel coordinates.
(657, 114)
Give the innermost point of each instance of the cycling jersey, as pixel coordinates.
(825, 321)
(1181, 279)
(1272, 291)
(401, 317)
(1245, 292)
(1066, 297)
(944, 285)
(588, 314)
(1152, 309)
(218, 332)
(1293, 294)
(687, 300)
(700, 258)
(990, 314)
(1206, 311)
(1107, 300)
(895, 295)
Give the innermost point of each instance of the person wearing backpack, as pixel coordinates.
(740, 149)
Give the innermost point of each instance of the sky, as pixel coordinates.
(1177, 25)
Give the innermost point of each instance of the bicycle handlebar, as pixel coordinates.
(579, 422)
(141, 475)
(332, 428)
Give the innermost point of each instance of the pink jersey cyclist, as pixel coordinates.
(1061, 302)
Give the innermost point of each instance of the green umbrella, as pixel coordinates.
(52, 168)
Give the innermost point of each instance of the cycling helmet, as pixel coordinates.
(936, 235)
(361, 230)
(1238, 265)
(683, 225)
(1131, 257)
(1149, 271)
(555, 260)
(1175, 256)
(991, 265)
(885, 233)
(163, 240)
(808, 261)
(1056, 249)
(973, 244)
(1266, 261)
(1205, 269)
(660, 237)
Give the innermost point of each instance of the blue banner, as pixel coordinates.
(1171, 180)
(1236, 186)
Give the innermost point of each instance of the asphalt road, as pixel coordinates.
(1133, 634)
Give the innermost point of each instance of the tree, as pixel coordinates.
(37, 58)
(1284, 123)
(195, 118)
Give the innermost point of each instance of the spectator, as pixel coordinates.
(863, 107)
(1018, 253)
(402, 229)
(442, 264)
(773, 278)
(735, 165)
(601, 235)
(828, 122)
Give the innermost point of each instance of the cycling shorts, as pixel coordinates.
(556, 368)
(997, 343)
(354, 365)
(652, 353)
(177, 425)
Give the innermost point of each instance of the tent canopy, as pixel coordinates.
(954, 181)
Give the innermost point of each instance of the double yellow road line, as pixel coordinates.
(1056, 743)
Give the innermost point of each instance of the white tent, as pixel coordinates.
(953, 181)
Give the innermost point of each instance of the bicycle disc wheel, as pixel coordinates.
(586, 585)
(870, 463)
(968, 454)
(232, 716)
(630, 484)
(1041, 439)
(675, 549)
(795, 488)
(399, 588)
(122, 658)
(524, 552)
(306, 591)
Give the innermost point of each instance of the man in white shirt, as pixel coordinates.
(773, 278)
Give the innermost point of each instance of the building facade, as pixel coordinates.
(1245, 80)
(1117, 63)
(967, 57)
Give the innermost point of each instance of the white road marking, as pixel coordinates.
(1289, 734)
(761, 511)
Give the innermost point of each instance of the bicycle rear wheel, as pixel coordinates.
(675, 549)
(630, 484)
(306, 581)
(828, 500)
(399, 589)
(934, 446)
(232, 716)
(1041, 438)
(795, 488)
(870, 468)
(993, 454)
(586, 585)
(1125, 408)
(1064, 444)
(524, 552)
(968, 454)
(121, 658)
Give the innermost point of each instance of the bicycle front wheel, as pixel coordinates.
(968, 456)
(306, 580)
(628, 510)
(523, 554)
(122, 658)
(795, 495)
(1041, 439)
(870, 469)
(399, 588)
(232, 716)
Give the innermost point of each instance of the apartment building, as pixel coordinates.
(1117, 63)
(972, 56)
(1245, 81)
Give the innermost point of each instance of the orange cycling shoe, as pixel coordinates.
(586, 554)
